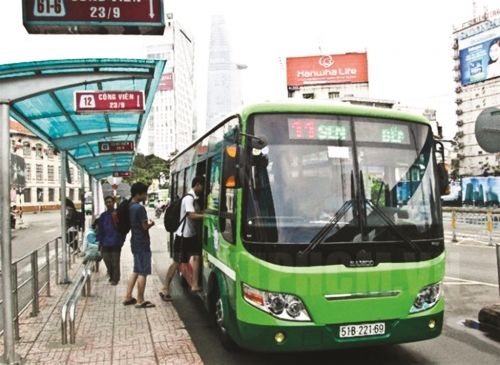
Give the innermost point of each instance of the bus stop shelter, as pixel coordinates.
(41, 96)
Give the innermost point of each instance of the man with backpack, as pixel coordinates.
(182, 215)
(110, 240)
(140, 244)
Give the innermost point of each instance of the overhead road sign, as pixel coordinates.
(94, 17)
(116, 146)
(109, 101)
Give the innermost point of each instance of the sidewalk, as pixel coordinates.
(107, 331)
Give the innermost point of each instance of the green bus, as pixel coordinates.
(322, 226)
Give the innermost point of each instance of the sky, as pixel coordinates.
(408, 44)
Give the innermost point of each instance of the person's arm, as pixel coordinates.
(190, 211)
(143, 217)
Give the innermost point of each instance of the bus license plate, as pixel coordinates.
(361, 330)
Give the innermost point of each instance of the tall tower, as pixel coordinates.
(224, 85)
(171, 123)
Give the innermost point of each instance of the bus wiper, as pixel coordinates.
(332, 223)
(391, 225)
(320, 236)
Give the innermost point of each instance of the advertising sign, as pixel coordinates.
(94, 16)
(109, 101)
(479, 51)
(116, 146)
(328, 69)
(481, 191)
(166, 82)
(122, 174)
(17, 171)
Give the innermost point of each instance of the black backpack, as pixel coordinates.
(123, 213)
(172, 218)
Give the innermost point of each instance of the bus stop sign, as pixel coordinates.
(94, 16)
(116, 146)
(109, 101)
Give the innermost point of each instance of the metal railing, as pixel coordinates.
(480, 225)
(31, 276)
(68, 312)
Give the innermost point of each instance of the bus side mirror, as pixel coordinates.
(231, 169)
(443, 178)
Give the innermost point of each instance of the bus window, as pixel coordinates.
(181, 183)
(227, 214)
(213, 190)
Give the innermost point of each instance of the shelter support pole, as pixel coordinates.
(9, 355)
(64, 237)
(82, 199)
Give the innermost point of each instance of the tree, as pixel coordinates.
(147, 168)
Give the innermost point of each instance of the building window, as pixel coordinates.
(27, 195)
(39, 172)
(308, 96)
(51, 195)
(333, 95)
(50, 173)
(39, 150)
(39, 195)
(50, 153)
(28, 172)
(72, 174)
(71, 194)
(26, 149)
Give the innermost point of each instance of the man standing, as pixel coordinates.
(141, 246)
(186, 242)
(110, 240)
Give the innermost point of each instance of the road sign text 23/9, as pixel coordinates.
(98, 10)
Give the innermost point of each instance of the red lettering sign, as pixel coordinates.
(94, 16)
(329, 69)
(109, 101)
(116, 146)
(122, 174)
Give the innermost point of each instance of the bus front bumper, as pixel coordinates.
(314, 338)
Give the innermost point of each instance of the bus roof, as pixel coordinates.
(307, 106)
(333, 107)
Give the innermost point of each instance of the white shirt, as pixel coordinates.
(187, 206)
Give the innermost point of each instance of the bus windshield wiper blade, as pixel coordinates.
(393, 226)
(320, 236)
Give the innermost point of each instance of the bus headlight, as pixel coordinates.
(280, 305)
(427, 298)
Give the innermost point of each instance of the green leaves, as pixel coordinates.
(147, 168)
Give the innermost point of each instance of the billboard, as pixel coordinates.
(481, 191)
(479, 51)
(17, 171)
(167, 82)
(327, 69)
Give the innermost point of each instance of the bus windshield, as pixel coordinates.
(314, 164)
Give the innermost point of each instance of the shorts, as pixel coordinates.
(142, 263)
(185, 247)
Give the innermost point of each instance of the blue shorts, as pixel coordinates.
(142, 263)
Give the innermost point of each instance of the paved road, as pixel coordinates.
(470, 283)
(458, 344)
(41, 228)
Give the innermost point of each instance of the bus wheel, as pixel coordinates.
(220, 318)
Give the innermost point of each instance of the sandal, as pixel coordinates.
(165, 297)
(130, 301)
(145, 304)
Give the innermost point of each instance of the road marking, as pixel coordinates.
(50, 230)
(471, 282)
